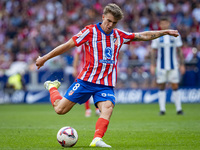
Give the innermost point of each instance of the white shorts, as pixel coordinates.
(163, 76)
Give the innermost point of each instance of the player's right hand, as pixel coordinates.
(173, 33)
(39, 62)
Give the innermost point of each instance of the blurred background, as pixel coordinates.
(32, 28)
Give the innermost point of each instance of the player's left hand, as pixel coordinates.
(173, 32)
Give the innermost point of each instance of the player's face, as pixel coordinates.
(164, 24)
(109, 22)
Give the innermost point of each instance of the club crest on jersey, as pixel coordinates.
(115, 41)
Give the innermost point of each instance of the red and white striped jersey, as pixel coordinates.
(101, 53)
(167, 51)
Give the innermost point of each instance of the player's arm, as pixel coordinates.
(181, 60)
(55, 52)
(153, 61)
(75, 64)
(150, 35)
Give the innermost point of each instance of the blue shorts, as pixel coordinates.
(80, 91)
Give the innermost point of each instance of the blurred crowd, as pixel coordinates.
(29, 28)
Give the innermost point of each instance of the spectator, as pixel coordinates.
(44, 24)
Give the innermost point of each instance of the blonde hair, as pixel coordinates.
(115, 10)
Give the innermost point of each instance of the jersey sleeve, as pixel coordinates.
(154, 44)
(179, 42)
(81, 37)
(127, 36)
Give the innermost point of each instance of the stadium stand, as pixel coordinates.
(29, 28)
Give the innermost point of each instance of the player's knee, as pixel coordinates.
(161, 86)
(108, 108)
(60, 111)
(175, 87)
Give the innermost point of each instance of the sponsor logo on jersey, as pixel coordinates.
(107, 61)
(108, 54)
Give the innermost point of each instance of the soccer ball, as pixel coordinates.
(67, 136)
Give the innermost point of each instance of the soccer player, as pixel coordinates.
(167, 67)
(98, 77)
(77, 66)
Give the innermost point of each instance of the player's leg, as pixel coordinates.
(177, 100)
(105, 101)
(61, 105)
(174, 80)
(106, 108)
(161, 78)
(162, 98)
(88, 111)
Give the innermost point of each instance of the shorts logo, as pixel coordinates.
(71, 92)
(103, 94)
(111, 95)
(108, 94)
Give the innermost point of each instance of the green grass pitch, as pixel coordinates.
(132, 126)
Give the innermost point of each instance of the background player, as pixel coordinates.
(78, 64)
(98, 77)
(167, 48)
